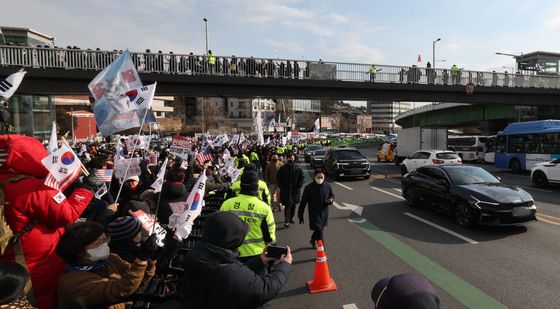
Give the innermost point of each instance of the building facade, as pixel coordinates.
(30, 115)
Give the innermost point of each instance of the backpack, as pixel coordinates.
(6, 234)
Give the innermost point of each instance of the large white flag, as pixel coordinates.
(53, 142)
(317, 126)
(259, 128)
(184, 213)
(9, 86)
(64, 168)
(241, 138)
(161, 174)
(121, 102)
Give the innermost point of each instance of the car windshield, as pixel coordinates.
(313, 147)
(319, 153)
(348, 155)
(447, 156)
(466, 175)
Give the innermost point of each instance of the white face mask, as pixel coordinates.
(100, 253)
(319, 180)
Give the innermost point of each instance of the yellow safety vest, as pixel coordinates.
(211, 59)
(264, 193)
(253, 211)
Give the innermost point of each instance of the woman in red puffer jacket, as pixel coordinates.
(29, 200)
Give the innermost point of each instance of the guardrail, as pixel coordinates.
(169, 63)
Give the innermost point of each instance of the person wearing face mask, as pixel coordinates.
(125, 236)
(290, 181)
(270, 174)
(319, 196)
(94, 277)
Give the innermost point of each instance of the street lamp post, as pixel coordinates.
(206, 33)
(511, 55)
(434, 52)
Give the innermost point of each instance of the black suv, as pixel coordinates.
(346, 162)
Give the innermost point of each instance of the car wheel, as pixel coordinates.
(404, 170)
(367, 177)
(409, 199)
(515, 165)
(464, 215)
(539, 179)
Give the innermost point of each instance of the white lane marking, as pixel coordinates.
(548, 216)
(344, 186)
(357, 220)
(355, 208)
(389, 193)
(337, 205)
(547, 221)
(535, 189)
(349, 306)
(470, 241)
(397, 189)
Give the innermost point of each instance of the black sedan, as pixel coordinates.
(470, 193)
(309, 151)
(318, 158)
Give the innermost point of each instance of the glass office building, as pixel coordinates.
(30, 115)
(539, 62)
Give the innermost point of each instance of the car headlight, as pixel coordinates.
(479, 204)
(338, 165)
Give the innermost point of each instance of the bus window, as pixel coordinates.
(501, 144)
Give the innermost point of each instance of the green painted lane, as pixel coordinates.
(463, 291)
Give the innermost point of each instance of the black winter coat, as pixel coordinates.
(214, 278)
(316, 196)
(290, 181)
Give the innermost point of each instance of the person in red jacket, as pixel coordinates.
(29, 200)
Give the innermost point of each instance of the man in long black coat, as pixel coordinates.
(319, 196)
(290, 181)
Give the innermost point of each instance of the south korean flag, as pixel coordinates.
(64, 168)
(9, 86)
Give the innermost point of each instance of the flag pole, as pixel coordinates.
(157, 210)
(133, 150)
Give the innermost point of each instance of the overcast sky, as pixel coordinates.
(385, 32)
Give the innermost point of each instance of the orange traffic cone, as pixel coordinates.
(322, 281)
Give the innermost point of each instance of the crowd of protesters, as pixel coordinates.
(82, 250)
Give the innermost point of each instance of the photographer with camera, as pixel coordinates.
(319, 196)
(215, 278)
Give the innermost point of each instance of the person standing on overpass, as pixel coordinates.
(372, 71)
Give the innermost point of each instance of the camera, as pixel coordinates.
(276, 251)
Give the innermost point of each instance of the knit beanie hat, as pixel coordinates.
(250, 181)
(124, 228)
(225, 230)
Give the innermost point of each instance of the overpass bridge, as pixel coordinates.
(68, 71)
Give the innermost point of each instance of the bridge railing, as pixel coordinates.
(169, 63)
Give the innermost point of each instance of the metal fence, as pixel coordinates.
(77, 59)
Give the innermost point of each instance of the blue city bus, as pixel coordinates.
(521, 145)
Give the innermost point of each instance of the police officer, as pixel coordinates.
(211, 61)
(372, 71)
(256, 213)
(263, 192)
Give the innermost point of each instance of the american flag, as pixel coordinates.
(204, 156)
(50, 181)
(104, 174)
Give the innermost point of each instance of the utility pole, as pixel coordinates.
(206, 26)
(434, 52)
